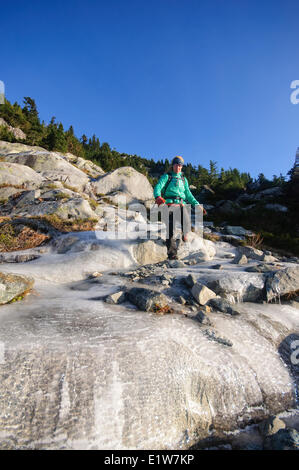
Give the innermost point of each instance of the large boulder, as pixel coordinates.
(201, 293)
(149, 251)
(51, 166)
(18, 133)
(9, 147)
(147, 299)
(237, 230)
(12, 286)
(268, 193)
(238, 287)
(90, 168)
(126, 181)
(19, 175)
(66, 209)
(282, 282)
(197, 248)
(251, 252)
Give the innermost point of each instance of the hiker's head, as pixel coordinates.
(177, 164)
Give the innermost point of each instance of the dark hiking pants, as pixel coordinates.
(175, 216)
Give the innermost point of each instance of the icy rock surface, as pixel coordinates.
(79, 373)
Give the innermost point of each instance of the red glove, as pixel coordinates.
(204, 211)
(160, 200)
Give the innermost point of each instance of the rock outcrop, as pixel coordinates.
(126, 182)
(12, 286)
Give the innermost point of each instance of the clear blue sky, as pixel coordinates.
(208, 80)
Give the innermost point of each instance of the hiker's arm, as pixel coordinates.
(160, 185)
(189, 196)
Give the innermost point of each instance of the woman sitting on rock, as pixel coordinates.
(172, 190)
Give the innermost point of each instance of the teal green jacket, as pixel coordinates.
(176, 189)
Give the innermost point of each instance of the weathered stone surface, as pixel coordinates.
(67, 209)
(16, 147)
(190, 280)
(149, 251)
(201, 293)
(116, 297)
(284, 439)
(147, 299)
(87, 166)
(202, 318)
(239, 287)
(271, 426)
(18, 175)
(228, 207)
(128, 181)
(8, 191)
(240, 259)
(17, 258)
(109, 372)
(262, 268)
(18, 133)
(13, 285)
(222, 305)
(251, 252)
(237, 230)
(51, 166)
(268, 193)
(282, 282)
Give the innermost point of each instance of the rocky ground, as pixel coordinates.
(105, 344)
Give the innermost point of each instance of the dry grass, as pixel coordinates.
(14, 238)
(71, 188)
(159, 310)
(93, 204)
(255, 241)
(212, 237)
(76, 225)
(17, 186)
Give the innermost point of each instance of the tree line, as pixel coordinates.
(54, 137)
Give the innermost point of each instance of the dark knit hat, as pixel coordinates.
(178, 159)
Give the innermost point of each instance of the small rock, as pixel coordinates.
(147, 299)
(202, 318)
(271, 426)
(217, 266)
(269, 259)
(182, 300)
(12, 286)
(201, 293)
(190, 280)
(229, 255)
(240, 259)
(222, 305)
(96, 274)
(116, 298)
(176, 264)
